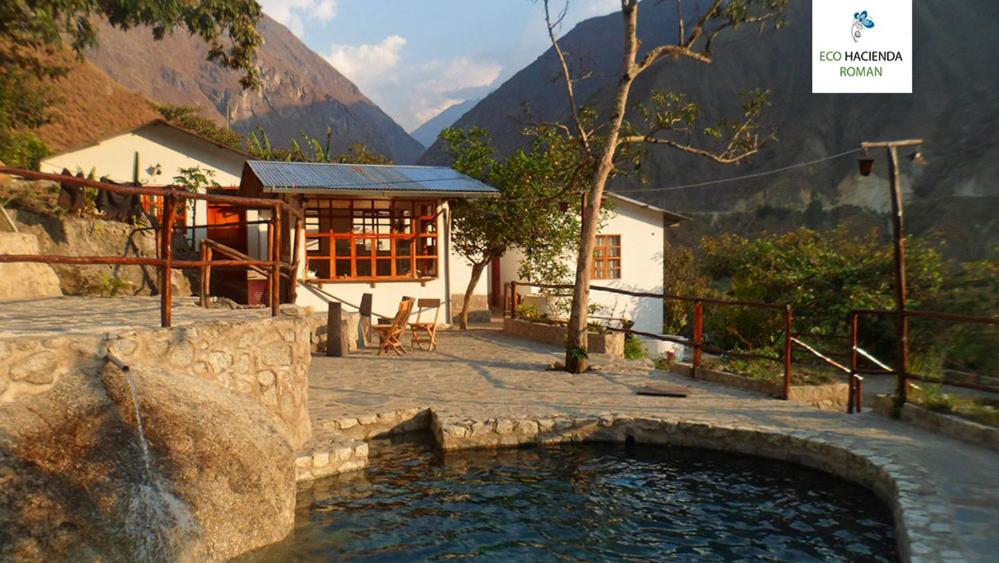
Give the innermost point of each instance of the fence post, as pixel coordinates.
(513, 300)
(276, 263)
(166, 268)
(854, 342)
(788, 351)
(506, 297)
(204, 273)
(334, 330)
(698, 337)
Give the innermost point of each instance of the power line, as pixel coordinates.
(709, 182)
(743, 177)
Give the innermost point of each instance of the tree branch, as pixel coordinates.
(584, 137)
(727, 156)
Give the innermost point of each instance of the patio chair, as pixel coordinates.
(389, 334)
(430, 328)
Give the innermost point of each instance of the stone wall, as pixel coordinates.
(831, 396)
(478, 308)
(949, 425)
(611, 344)
(25, 280)
(266, 359)
(318, 321)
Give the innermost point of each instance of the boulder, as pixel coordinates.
(25, 280)
(216, 480)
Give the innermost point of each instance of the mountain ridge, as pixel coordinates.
(427, 132)
(953, 107)
(301, 92)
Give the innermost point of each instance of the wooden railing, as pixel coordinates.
(901, 371)
(165, 261)
(511, 299)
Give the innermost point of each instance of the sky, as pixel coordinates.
(415, 58)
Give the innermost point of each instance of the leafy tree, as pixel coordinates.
(33, 34)
(23, 100)
(537, 211)
(33, 31)
(669, 119)
(190, 118)
(259, 144)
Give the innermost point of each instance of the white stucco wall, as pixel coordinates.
(162, 150)
(641, 232)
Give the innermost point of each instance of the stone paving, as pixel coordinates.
(483, 375)
(59, 316)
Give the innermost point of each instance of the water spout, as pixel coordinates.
(143, 444)
(158, 525)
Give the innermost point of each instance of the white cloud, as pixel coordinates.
(291, 12)
(413, 93)
(368, 65)
(446, 80)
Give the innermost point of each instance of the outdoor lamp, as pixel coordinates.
(866, 164)
(917, 158)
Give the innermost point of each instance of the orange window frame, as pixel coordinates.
(607, 258)
(372, 239)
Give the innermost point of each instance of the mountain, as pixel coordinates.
(73, 112)
(427, 133)
(301, 91)
(953, 107)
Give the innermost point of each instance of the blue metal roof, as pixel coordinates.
(309, 177)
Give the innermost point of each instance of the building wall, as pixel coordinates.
(156, 144)
(452, 279)
(641, 232)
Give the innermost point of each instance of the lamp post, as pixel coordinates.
(898, 234)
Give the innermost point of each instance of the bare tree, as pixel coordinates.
(669, 120)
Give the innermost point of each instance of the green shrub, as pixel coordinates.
(528, 312)
(633, 348)
(22, 149)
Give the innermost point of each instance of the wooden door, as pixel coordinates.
(227, 225)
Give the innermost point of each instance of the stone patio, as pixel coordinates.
(483, 379)
(59, 316)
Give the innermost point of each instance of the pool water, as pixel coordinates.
(588, 502)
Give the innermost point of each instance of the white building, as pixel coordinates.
(154, 154)
(378, 229)
(628, 255)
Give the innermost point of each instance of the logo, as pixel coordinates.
(860, 22)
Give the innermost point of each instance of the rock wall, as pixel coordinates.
(611, 344)
(949, 425)
(25, 280)
(830, 396)
(68, 235)
(223, 407)
(265, 359)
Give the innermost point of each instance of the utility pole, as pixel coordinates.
(898, 234)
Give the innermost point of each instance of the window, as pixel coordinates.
(607, 258)
(364, 239)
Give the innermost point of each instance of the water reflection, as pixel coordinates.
(583, 503)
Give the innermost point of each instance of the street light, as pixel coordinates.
(898, 234)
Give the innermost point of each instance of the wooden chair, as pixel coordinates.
(430, 328)
(389, 334)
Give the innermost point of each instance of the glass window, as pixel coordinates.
(607, 258)
(368, 239)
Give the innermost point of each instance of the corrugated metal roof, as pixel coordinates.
(309, 177)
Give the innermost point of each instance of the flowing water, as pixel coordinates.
(143, 444)
(594, 502)
(157, 525)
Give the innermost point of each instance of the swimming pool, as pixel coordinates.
(584, 502)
